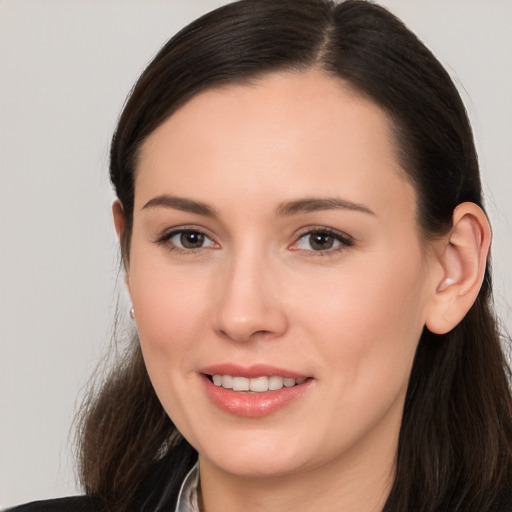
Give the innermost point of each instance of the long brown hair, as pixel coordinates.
(456, 436)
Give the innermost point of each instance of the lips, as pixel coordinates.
(253, 391)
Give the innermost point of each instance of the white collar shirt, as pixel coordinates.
(187, 497)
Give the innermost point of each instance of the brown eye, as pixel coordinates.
(321, 241)
(192, 239)
(187, 240)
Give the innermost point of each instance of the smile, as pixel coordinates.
(257, 384)
(253, 396)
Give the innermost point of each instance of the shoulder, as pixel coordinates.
(72, 504)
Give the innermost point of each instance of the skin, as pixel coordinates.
(349, 316)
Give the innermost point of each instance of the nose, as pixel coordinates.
(250, 304)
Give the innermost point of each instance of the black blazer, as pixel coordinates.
(158, 491)
(73, 504)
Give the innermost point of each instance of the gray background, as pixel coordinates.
(65, 69)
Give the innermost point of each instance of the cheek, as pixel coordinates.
(170, 310)
(370, 318)
(171, 318)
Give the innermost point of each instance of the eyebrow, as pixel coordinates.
(286, 209)
(317, 204)
(180, 203)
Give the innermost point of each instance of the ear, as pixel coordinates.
(462, 257)
(118, 214)
(119, 224)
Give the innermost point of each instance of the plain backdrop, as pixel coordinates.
(66, 67)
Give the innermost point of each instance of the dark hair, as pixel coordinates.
(455, 440)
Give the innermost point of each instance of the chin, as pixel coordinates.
(263, 455)
(257, 466)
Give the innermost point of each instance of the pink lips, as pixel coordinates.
(248, 404)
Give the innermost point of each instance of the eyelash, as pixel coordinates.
(344, 241)
(165, 238)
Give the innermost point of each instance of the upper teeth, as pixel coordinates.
(258, 384)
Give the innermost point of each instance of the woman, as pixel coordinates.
(300, 217)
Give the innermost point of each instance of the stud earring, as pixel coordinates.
(132, 314)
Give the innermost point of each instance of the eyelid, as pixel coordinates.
(345, 240)
(167, 234)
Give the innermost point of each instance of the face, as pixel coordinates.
(277, 275)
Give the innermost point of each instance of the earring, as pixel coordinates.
(132, 314)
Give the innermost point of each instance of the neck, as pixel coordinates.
(352, 482)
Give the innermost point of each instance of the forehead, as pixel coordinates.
(286, 133)
(302, 99)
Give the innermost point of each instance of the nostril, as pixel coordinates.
(262, 333)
